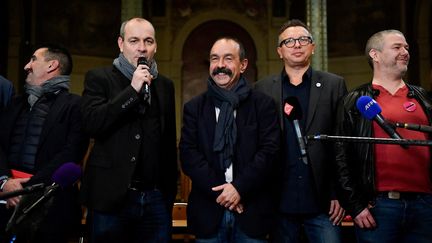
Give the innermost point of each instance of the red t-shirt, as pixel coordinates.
(397, 168)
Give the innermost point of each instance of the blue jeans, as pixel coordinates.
(318, 229)
(144, 217)
(229, 231)
(400, 220)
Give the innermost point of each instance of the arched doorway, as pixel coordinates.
(196, 50)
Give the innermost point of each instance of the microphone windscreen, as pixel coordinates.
(142, 60)
(368, 107)
(67, 174)
(292, 108)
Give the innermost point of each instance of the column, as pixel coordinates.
(317, 22)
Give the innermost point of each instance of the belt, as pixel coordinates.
(141, 186)
(401, 195)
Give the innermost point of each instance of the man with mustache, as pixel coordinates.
(387, 188)
(130, 181)
(228, 146)
(307, 101)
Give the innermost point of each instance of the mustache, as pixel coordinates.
(222, 70)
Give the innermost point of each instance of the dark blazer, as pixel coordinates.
(62, 140)
(326, 91)
(111, 118)
(257, 143)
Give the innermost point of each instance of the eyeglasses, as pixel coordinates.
(302, 40)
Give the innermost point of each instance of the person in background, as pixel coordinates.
(308, 186)
(39, 132)
(228, 148)
(6, 92)
(387, 188)
(130, 181)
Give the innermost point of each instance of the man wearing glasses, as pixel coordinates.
(306, 101)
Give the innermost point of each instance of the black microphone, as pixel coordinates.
(293, 112)
(25, 190)
(415, 127)
(370, 109)
(66, 175)
(142, 60)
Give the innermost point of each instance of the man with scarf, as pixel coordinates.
(229, 141)
(40, 131)
(130, 181)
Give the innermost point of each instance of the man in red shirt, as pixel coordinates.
(387, 188)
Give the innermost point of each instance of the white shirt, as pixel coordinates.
(229, 170)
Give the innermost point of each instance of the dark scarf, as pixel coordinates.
(226, 130)
(50, 86)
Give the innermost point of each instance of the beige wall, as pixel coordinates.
(354, 69)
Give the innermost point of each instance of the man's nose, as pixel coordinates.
(27, 66)
(221, 62)
(142, 46)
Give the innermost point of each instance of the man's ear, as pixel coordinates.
(279, 51)
(373, 54)
(53, 65)
(120, 43)
(243, 65)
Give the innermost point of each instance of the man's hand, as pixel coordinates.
(337, 213)
(141, 76)
(13, 185)
(229, 198)
(365, 219)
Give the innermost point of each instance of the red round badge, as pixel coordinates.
(410, 106)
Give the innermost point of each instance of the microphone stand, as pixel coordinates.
(25, 190)
(370, 140)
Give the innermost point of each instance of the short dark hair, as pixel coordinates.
(242, 51)
(293, 23)
(60, 53)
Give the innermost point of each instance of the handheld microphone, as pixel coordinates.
(143, 60)
(415, 127)
(370, 109)
(293, 112)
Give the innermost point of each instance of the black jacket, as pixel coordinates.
(253, 169)
(111, 117)
(326, 91)
(62, 139)
(355, 161)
